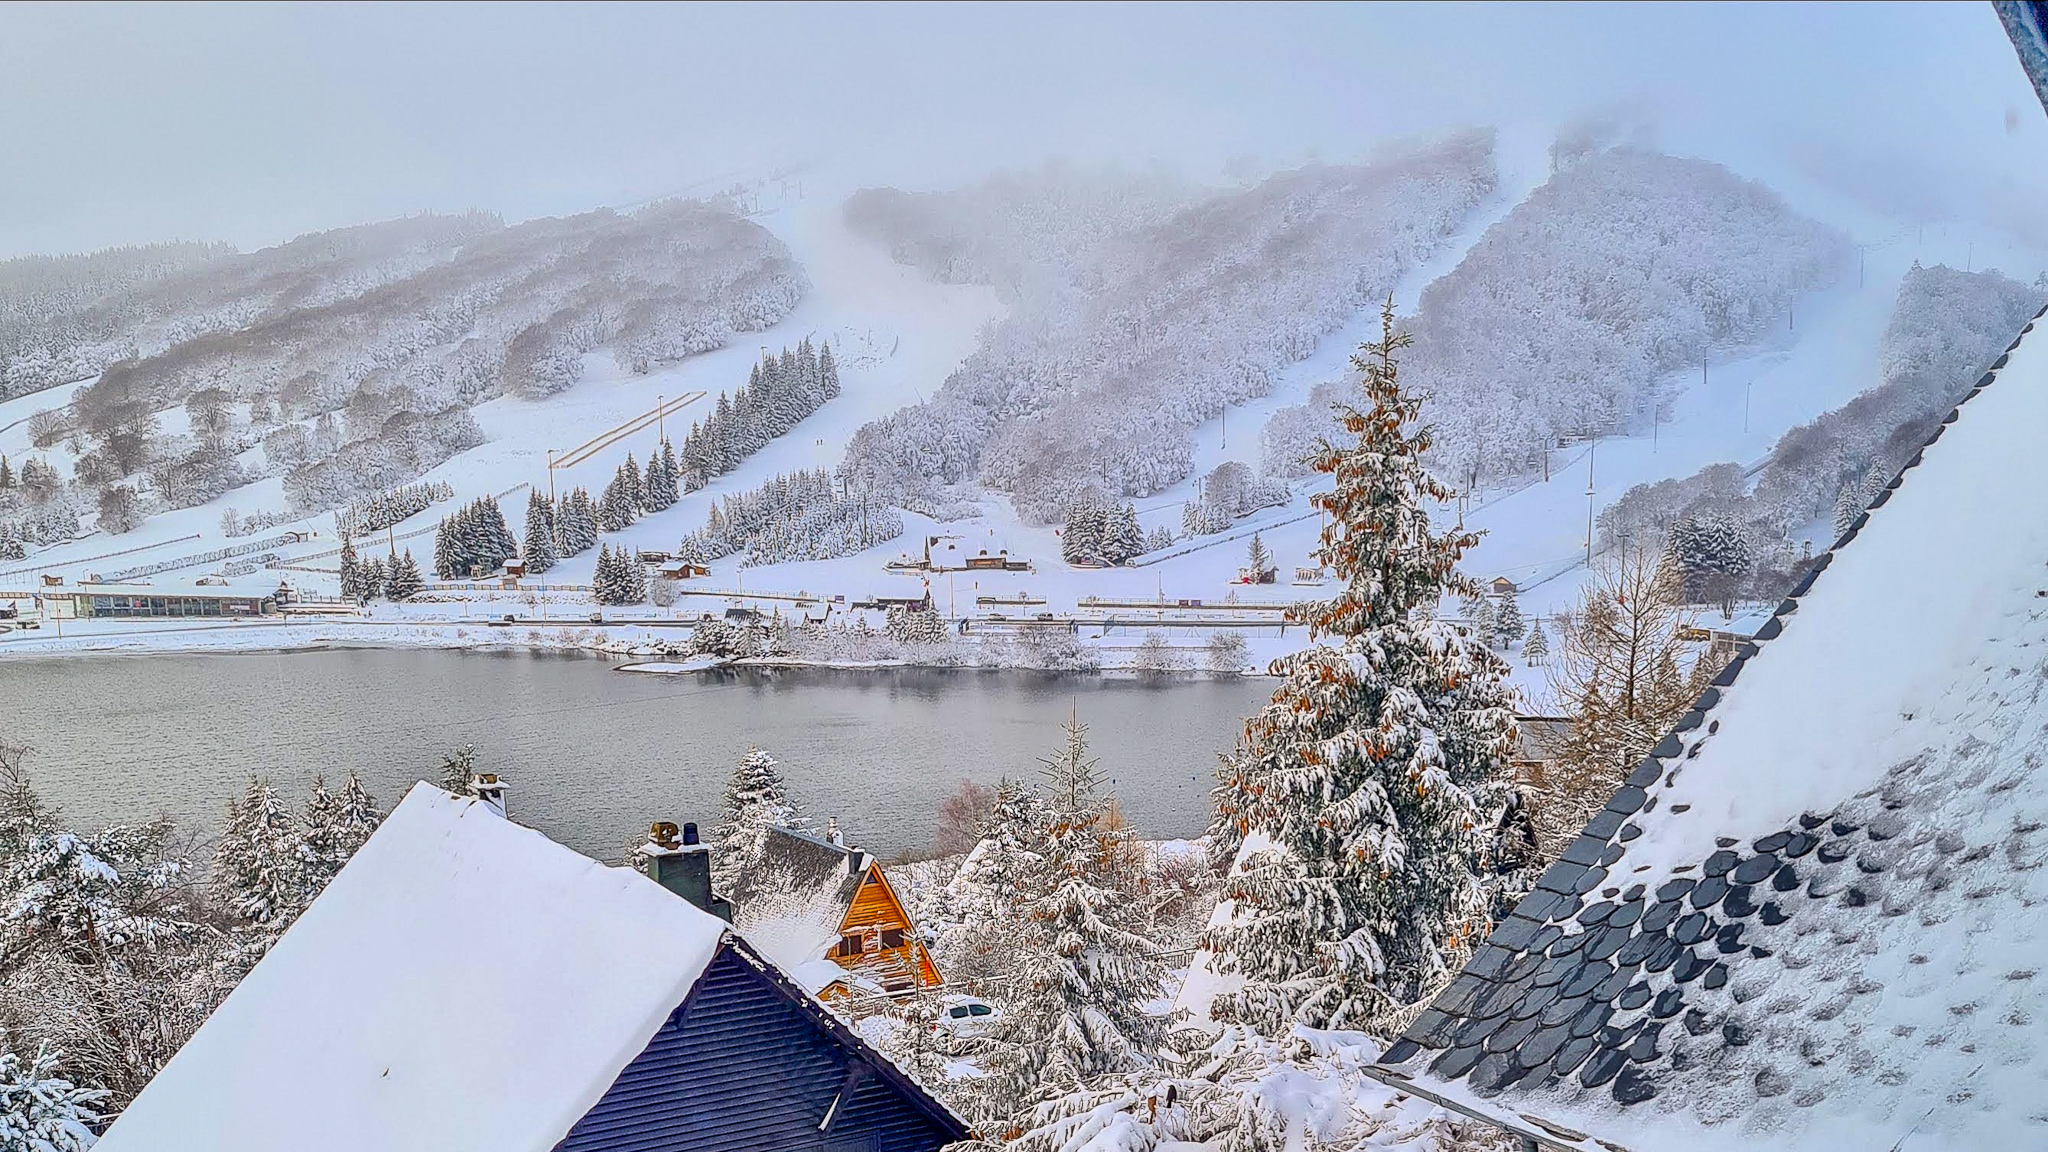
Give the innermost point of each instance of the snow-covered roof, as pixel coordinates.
(1815, 916)
(2026, 22)
(792, 903)
(464, 984)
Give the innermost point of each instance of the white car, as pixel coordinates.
(964, 1017)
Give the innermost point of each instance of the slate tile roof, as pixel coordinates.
(1816, 916)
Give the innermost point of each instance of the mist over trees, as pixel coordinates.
(1097, 380)
(1946, 329)
(348, 361)
(1626, 266)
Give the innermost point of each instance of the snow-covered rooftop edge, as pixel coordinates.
(464, 982)
(1952, 568)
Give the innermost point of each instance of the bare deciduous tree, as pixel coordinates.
(1623, 673)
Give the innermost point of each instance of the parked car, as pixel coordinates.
(964, 1017)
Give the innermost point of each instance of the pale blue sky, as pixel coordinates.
(133, 123)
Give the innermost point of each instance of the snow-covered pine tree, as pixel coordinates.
(1712, 556)
(1507, 618)
(458, 770)
(1359, 806)
(258, 869)
(604, 579)
(42, 1111)
(1129, 539)
(1160, 537)
(756, 799)
(374, 579)
(6, 474)
(828, 372)
(1485, 625)
(444, 550)
(617, 507)
(1257, 560)
(334, 825)
(1089, 968)
(351, 572)
(539, 546)
(630, 577)
(629, 475)
(1535, 649)
(1078, 536)
(671, 475)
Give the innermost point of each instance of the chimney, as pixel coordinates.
(487, 787)
(682, 864)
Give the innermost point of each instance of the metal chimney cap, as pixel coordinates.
(689, 834)
(662, 834)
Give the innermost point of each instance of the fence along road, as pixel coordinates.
(603, 440)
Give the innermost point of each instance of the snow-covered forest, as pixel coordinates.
(1096, 379)
(1627, 266)
(348, 362)
(1946, 329)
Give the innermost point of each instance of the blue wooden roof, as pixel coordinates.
(749, 1061)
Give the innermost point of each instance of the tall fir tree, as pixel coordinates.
(1507, 618)
(756, 799)
(1088, 968)
(351, 572)
(1358, 810)
(538, 549)
(1257, 559)
(258, 868)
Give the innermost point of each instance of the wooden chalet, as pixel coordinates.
(468, 985)
(828, 913)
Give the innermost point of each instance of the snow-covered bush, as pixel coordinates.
(1227, 652)
(1055, 650)
(1157, 656)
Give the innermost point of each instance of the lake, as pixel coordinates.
(592, 755)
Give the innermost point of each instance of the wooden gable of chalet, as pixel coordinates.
(878, 936)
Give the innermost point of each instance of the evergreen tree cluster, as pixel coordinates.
(35, 507)
(907, 626)
(779, 392)
(619, 579)
(575, 523)
(1357, 815)
(270, 862)
(1101, 532)
(1711, 555)
(795, 516)
(633, 492)
(379, 510)
(474, 538)
(394, 578)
